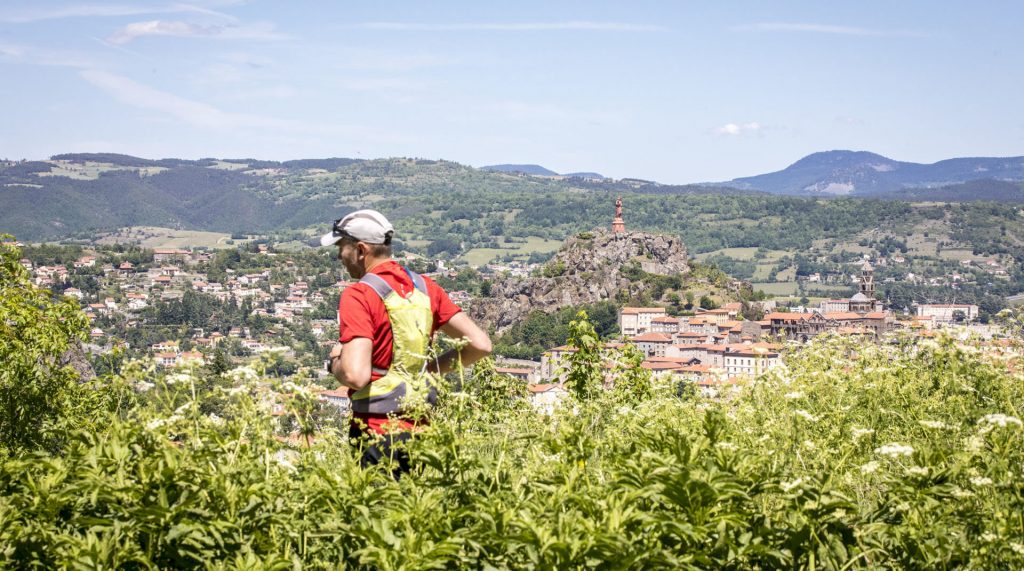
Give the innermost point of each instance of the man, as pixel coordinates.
(386, 323)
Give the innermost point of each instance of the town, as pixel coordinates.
(183, 307)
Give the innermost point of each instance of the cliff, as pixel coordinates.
(590, 267)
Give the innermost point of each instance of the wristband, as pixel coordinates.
(330, 364)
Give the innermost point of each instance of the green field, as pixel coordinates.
(91, 171)
(745, 254)
(777, 288)
(481, 256)
(155, 237)
(957, 254)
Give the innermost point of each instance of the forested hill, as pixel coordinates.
(80, 193)
(859, 173)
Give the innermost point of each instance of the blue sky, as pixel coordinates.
(670, 91)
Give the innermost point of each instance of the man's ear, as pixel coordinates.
(364, 248)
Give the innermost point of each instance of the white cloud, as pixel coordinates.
(379, 60)
(828, 29)
(181, 29)
(509, 27)
(41, 56)
(734, 129)
(112, 10)
(195, 113)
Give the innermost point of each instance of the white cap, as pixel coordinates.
(367, 226)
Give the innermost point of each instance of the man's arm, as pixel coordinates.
(351, 365)
(460, 326)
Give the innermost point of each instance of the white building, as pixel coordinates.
(637, 320)
(948, 312)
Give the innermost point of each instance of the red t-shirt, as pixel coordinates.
(361, 313)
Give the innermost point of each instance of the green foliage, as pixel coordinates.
(41, 397)
(584, 374)
(851, 456)
(541, 331)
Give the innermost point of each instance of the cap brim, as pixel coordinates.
(329, 239)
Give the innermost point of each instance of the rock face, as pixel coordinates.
(587, 269)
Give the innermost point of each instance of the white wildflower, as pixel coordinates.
(794, 395)
(177, 378)
(929, 344)
(859, 433)
(787, 486)
(917, 471)
(726, 446)
(281, 458)
(215, 420)
(1000, 420)
(181, 409)
(981, 481)
(1017, 548)
(962, 493)
(235, 391)
(974, 444)
(895, 449)
(870, 468)
(143, 386)
(809, 445)
(933, 424)
(158, 422)
(243, 375)
(989, 537)
(806, 415)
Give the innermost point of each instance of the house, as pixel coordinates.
(637, 320)
(749, 362)
(652, 344)
(168, 254)
(665, 324)
(545, 397)
(521, 373)
(74, 292)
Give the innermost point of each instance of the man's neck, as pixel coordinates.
(374, 262)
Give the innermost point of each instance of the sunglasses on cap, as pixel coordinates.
(339, 232)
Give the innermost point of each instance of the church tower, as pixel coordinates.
(867, 280)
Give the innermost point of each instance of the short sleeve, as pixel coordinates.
(354, 317)
(444, 308)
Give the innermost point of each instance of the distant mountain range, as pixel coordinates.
(859, 173)
(537, 170)
(81, 194)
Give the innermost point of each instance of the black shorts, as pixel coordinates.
(377, 448)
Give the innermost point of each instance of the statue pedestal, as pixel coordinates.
(618, 226)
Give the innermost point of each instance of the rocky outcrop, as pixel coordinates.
(590, 267)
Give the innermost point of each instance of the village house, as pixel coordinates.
(637, 320)
(167, 254)
(652, 344)
(521, 373)
(545, 397)
(667, 324)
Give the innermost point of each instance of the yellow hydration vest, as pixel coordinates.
(404, 386)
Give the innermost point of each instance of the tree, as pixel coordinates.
(41, 398)
(584, 375)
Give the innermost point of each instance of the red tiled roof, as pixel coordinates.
(635, 310)
(652, 338)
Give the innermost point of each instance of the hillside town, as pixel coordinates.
(276, 299)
